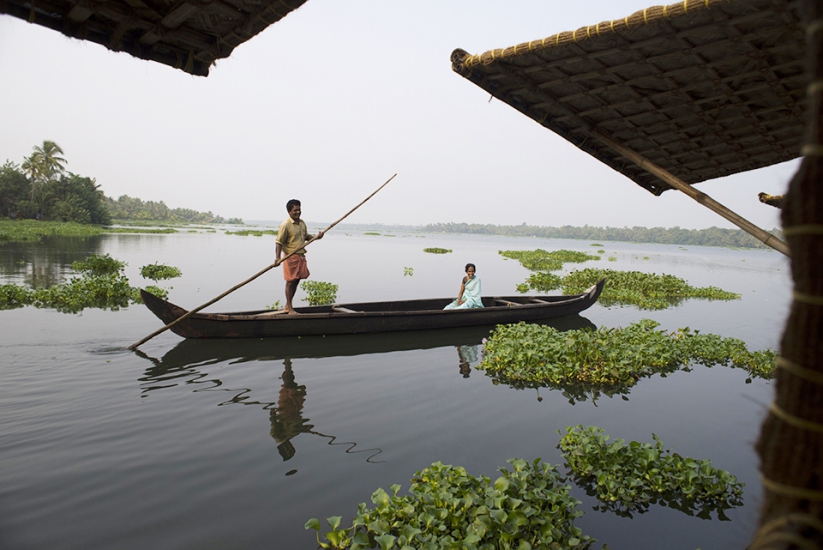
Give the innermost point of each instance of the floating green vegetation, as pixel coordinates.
(585, 364)
(371, 233)
(596, 244)
(319, 293)
(437, 250)
(33, 230)
(644, 290)
(628, 478)
(601, 251)
(612, 258)
(253, 232)
(543, 260)
(408, 271)
(528, 507)
(101, 284)
(157, 272)
(162, 231)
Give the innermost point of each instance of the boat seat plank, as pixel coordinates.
(538, 301)
(501, 302)
(341, 309)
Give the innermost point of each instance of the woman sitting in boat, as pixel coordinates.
(469, 296)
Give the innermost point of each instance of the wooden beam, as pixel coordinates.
(763, 236)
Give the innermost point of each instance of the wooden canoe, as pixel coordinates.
(369, 317)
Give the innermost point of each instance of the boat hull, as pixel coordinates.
(369, 317)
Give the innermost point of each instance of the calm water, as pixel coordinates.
(235, 444)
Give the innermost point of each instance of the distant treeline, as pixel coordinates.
(130, 208)
(713, 236)
(41, 188)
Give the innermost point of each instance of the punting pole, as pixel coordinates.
(764, 236)
(250, 279)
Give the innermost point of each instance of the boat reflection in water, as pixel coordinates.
(188, 361)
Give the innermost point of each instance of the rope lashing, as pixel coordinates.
(816, 377)
(814, 88)
(808, 229)
(790, 491)
(809, 299)
(806, 520)
(812, 150)
(795, 421)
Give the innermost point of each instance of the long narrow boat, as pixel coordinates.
(369, 317)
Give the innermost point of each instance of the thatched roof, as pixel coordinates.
(189, 35)
(702, 88)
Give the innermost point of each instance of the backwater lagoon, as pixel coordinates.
(237, 443)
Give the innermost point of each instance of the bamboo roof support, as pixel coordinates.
(764, 236)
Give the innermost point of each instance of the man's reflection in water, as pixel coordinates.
(286, 422)
(467, 356)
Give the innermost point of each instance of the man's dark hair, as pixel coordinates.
(291, 204)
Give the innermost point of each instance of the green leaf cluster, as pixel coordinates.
(157, 272)
(644, 290)
(628, 478)
(543, 260)
(319, 293)
(527, 507)
(586, 363)
(436, 250)
(101, 284)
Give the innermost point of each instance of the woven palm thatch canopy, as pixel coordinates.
(701, 88)
(189, 35)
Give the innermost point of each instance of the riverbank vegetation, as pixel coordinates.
(101, 284)
(713, 236)
(585, 364)
(40, 188)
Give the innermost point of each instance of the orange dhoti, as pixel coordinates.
(295, 268)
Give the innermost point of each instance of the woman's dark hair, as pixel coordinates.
(471, 265)
(291, 204)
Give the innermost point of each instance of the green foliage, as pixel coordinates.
(371, 233)
(98, 265)
(596, 244)
(319, 293)
(612, 258)
(528, 507)
(157, 272)
(588, 363)
(253, 232)
(164, 231)
(101, 285)
(408, 271)
(644, 290)
(131, 208)
(628, 478)
(713, 236)
(543, 260)
(34, 231)
(437, 250)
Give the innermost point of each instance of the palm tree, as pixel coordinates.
(33, 168)
(49, 153)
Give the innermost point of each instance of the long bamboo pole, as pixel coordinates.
(250, 279)
(764, 236)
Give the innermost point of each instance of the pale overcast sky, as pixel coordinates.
(325, 106)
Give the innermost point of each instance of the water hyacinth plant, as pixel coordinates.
(543, 260)
(253, 232)
(527, 507)
(101, 284)
(436, 250)
(157, 272)
(643, 290)
(319, 293)
(585, 364)
(628, 478)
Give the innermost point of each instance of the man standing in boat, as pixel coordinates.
(292, 237)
